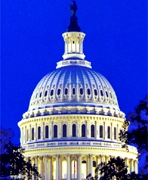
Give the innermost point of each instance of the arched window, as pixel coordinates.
(51, 92)
(55, 134)
(95, 92)
(101, 131)
(66, 91)
(81, 91)
(39, 132)
(101, 92)
(73, 130)
(92, 131)
(45, 93)
(88, 91)
(64, 130)
(108, 132)
(115, 133)
(32, 134)
(83, 130)
(58, 92)
(73, 91)
(46, 131)
(40, 94)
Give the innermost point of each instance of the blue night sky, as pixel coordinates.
(32, 44)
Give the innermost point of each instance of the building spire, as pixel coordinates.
(73, 7)
(73, 27)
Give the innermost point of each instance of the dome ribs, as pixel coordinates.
(73, 84)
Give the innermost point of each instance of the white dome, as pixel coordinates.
(73, 85)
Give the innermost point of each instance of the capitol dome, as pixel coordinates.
(71, 85)
(73, 120)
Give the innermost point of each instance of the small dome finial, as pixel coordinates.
(73, 7)
(73, 20)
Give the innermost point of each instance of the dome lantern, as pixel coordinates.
(73, 37)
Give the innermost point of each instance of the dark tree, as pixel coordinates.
(114, 169)
(12, 162)
(6, 135)
(137, 134)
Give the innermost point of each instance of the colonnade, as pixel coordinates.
(30, 133)
(73, 167)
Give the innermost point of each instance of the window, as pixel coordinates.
(81, 91)
(46, 131)
(101, 92)
(45, 93)
(59, 92)
(101, 131)
(66, 91)
(51, 92)
(40, 94)
(39, 132)
(73, 91)
(110, 95)
(106, 93)
(108, 132)
(115, 133)
(92, 131)
(83, 130)
(73, 130)
(95, 92)
(32, 134)
(55, 134)
(88, 91)
(64, 130)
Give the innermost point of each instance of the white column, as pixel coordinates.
(25, 134)
(57, 167)
(97, 130)
(30, 133)
(60, 168)
(136, 166)
(98, 162)
(68, 168)
(49, 168)
(50, 128)
(88, 130)
(90, 164)
(129, 167)
(111, 131)
(78, 127)
(59, 130)
(46, 166)
(42, 131)
(36, 163)
(69, 130)
(41, 166)
(35, 132)
(105, 130)
(79, 176)
(132, 165)
(87, 166)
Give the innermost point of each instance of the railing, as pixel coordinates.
(76, 144)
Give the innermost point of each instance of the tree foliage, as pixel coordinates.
(13, 163)
(138, 133)
(115, 168)
(6, 135)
